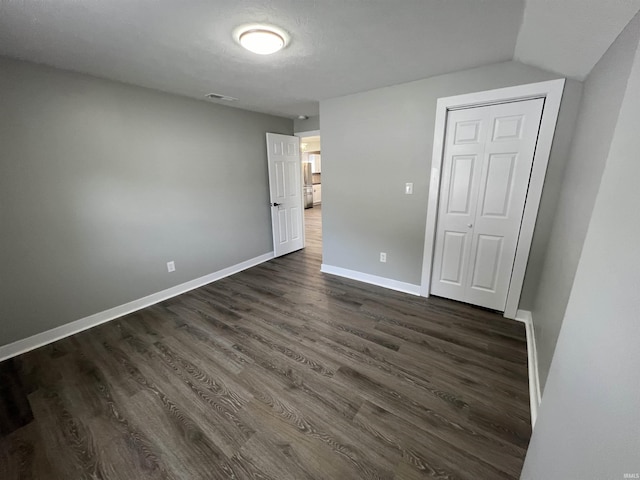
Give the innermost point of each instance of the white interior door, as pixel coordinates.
(285, 186)
(485, 175)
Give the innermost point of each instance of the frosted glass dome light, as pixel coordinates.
(261, 39)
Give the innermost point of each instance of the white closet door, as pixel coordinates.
(486, 168)
(464, 140)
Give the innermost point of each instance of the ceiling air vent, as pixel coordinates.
(217, 96)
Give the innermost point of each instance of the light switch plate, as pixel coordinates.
(408, 188)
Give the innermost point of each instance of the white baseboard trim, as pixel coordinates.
(41, 339)
(535, 393)
(372, 279)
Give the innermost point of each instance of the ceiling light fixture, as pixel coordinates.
(261, 39)
(302, 117)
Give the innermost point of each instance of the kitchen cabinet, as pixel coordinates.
(317, 193)
(316, 162)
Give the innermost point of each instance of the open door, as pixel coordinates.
(285, 186)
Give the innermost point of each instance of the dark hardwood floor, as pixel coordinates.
(278, 372)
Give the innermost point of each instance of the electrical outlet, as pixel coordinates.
(383, 257)
(171, 266)
(408, 188)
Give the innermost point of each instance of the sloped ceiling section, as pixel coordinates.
(185, 47)
(338, 47)
(570, 36)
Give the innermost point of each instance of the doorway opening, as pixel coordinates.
(311, 160)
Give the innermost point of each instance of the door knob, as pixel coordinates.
(469, 225)
(276, 204)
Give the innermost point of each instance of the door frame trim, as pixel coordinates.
(551, 91)
(308, 133)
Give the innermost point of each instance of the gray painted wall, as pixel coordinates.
(374, 142)
(560, 149)
(102, 183)
(602, 97)
(588, 423)
(308, 125)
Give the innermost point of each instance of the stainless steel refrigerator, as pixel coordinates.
(307, 178)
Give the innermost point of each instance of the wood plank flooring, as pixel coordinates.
(278, 372)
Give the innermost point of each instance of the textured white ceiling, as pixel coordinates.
(338, 46)
(570, 36)
(185, 46)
